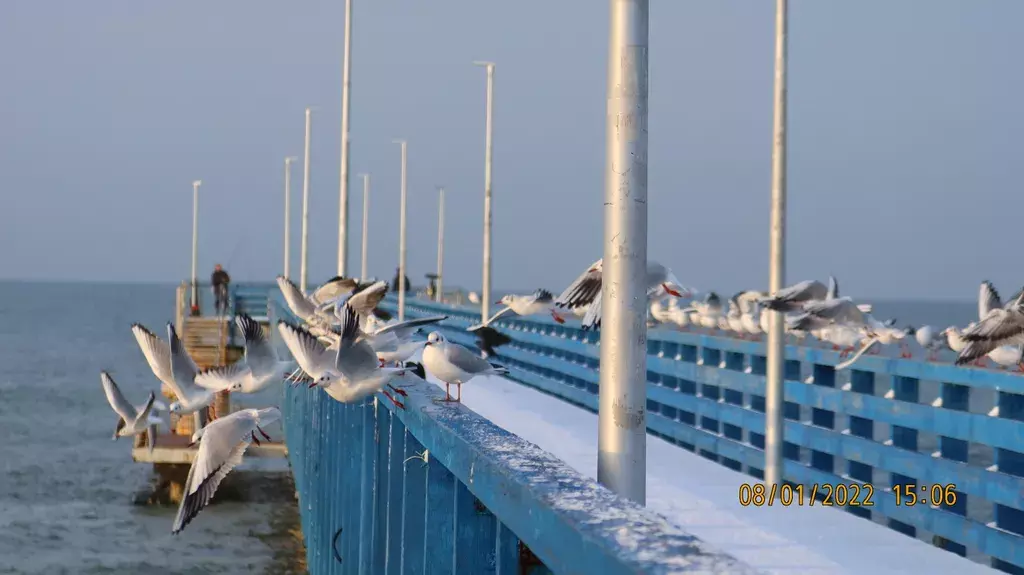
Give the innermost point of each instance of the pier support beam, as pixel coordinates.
(775, 382)
(622, 437)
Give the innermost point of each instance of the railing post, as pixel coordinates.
(622, 427)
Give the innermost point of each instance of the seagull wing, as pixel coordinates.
(584, 290)
(146, 409)
(466, 360)
(222, 377)
(116, 400)
(366, 299)
(998, 326)
(220, 450)
(296, 300)
(158, 355)
(333, 289)
(183, 369)
(988, 299)
(406, 328)
(504, 311)
(259, 354)
(309, 353)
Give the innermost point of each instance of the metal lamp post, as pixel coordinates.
(485, 296)
(622, 399)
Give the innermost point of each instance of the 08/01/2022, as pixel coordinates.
(826, 495)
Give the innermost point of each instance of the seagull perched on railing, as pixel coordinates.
(540, 301)
(585, 291)
(452, 363)
(221, 446)
(131, 420)
(258, 369)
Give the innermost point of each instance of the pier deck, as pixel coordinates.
(172, 448)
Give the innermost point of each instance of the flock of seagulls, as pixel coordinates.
(811, 309)
(351, 349)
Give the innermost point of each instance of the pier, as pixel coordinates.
(878, 429)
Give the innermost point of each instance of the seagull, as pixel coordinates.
(707, 312)
(357, 372)
(258, 369)
(930, 340)
(1000, 326)
(300, 304)
(131, 420)
(333, 288)
(660, 312)
(540, 301)
(322, 364)
(793, 297)
(393, 342)
(172, 365)
(364, 301)
(452, 363)
(585, 291)
(988, 299)
(221, 445)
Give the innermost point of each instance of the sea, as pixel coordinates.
(67, 490)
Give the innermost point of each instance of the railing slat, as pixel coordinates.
(476, 531)
(395, 495)
(414, 501)
(439, 544)
(506, 551)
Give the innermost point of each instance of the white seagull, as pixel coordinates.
(585, 291)
(131, 420)
(792, 298)
(322, 364)
(221, 446)
(357, 371)
(172, 365)
(1000, 326)
(539, 302)
(258, 369)
(452, 363)
(393, 342)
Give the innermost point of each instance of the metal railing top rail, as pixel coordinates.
(573, 524)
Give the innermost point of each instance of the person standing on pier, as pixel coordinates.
(394, 282)
(220, 280)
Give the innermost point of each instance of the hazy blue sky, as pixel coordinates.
(905, 128)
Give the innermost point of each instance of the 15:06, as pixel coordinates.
(937, 495)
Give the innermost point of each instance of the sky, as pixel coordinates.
(904, 166)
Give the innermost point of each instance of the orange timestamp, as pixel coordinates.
(825, 494)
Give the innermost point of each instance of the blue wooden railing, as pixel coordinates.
(706, 394)
(435, 488)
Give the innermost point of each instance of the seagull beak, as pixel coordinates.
(497, 302)
(426, 343)
(671, 291)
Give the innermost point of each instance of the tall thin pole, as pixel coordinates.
(440, 245)
(305, 210)
(401, 239)
(195, 240)
(622, 399)
(288, 215)
(343, 185)
(366, 224)
(774, 388)
(485, 298)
